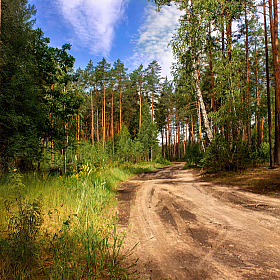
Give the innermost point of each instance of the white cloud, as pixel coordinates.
(93, 22)
(154, 36)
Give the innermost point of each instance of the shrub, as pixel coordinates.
(159, 159)
(223, 155)
(193, 154)
(19, 247)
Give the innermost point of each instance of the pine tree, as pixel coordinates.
(137, 77)
(152, 77)
(102, 72)
(119, 74)
(148, 133)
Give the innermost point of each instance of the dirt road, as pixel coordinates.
(190, 229)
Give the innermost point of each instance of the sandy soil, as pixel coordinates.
(189, 229)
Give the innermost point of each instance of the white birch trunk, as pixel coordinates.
(201, 102)
(195, 65)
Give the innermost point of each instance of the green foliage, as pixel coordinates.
(87, 244)
(161, 160)
(77, 237)
(89, 254)
(226, 156)
(137, 151)
(37, 98)
(20, 248)
(152, 77)
(123, 144)
(148, 131)
(193, 154)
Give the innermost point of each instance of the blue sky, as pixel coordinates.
(131, 30)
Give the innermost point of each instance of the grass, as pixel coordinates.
(261, 179)
(64, 227)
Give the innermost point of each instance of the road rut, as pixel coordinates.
(190, 229)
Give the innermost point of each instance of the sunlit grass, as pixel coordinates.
(78, 238)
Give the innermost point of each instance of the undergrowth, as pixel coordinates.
(64, 227)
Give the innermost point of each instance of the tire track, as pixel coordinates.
(186, 231)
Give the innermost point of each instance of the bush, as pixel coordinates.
(20, 247)
(222, 155)
(159, 159)
(193, 154)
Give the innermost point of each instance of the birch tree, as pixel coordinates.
(191, 38)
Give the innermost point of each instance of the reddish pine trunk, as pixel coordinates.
(97, 117)
(92, 115)
(104, 114)
(257, 122)
(247, 94)
(273, 16)
(268, 91)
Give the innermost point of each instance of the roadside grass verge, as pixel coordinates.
(261, 179)
(56, 227)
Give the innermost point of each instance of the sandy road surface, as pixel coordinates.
(190, 229)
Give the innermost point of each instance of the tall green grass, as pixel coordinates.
(64, 227)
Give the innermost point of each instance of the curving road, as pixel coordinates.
(189, 229)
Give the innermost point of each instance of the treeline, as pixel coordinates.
(36, 100)
(49, 110)
(227, 74)
(215, 112)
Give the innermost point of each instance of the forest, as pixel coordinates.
(64, 129)
(224, 92)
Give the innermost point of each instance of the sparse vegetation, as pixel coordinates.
(260, 179)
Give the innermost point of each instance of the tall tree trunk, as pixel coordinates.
(223, 41)
(78, 127)
(174, 138)
(152, 114)
(169, 137)
(153, 92)
(268, 91)
(166, 142)
(274, 42)
(120, 92)
(97, 117)
(112, 120)
(229, 35)
(213, 103)
(140, 109)
(188, 130)
(102, 117)
(277, 92)
(65, 150)
(104, 114)
(199, 122)
(257, 123)
(275, 49)
(223, 30)
(86, 132)
(92, 115)
(162, 145)
(192, 129)
(201, 102)
(247, 94)
(178, 137)
(195, 65)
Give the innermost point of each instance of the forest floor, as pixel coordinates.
(188, 228)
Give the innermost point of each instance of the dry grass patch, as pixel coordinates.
(261, 179)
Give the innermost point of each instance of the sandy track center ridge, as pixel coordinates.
(189, 229)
